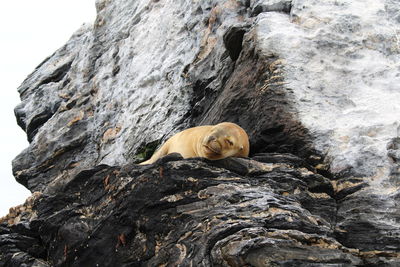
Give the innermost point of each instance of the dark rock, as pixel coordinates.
(186, 212)
(195, 212)
(260, 6)
(233, 39)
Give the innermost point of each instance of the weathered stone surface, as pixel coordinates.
(195, 213)
(314, 83)
(188, 212)
(339, 60)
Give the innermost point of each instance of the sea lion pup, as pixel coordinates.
(213, 142)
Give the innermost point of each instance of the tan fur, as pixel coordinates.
(213, 142)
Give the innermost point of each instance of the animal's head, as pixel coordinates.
(226, 139)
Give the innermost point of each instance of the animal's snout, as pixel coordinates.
(215, 146)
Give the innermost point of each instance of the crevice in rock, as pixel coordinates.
(233, 40)
(283, 6)
(20, 115)
(201, 100)
(325, 173)
(145, 151)
(116, 70)
(57, 75)
(351, 185)
(36, 123)
(39, 120)
(393, 153)
(348, 191)
(215, 237)
(116, 65)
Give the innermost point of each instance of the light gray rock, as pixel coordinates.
(342, 68)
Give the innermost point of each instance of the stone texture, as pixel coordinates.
(183, 212)
(267, 212)
(343, 72)
(314, 83)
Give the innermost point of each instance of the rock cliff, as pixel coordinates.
(314, 83)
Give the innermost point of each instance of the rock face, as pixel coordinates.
(314, 83)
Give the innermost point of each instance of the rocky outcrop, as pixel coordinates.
(270, 210)
(234, 212)
(313, 83)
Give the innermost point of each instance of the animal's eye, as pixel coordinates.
(229, 142)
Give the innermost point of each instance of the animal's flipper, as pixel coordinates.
(162, 151)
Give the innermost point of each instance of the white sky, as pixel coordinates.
(30, 31)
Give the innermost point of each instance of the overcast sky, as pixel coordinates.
(30, 31)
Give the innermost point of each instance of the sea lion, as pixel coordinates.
(213, 142)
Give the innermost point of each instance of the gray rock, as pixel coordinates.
(315, 85)
(341, 65)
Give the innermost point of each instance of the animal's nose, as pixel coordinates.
(215, 146)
